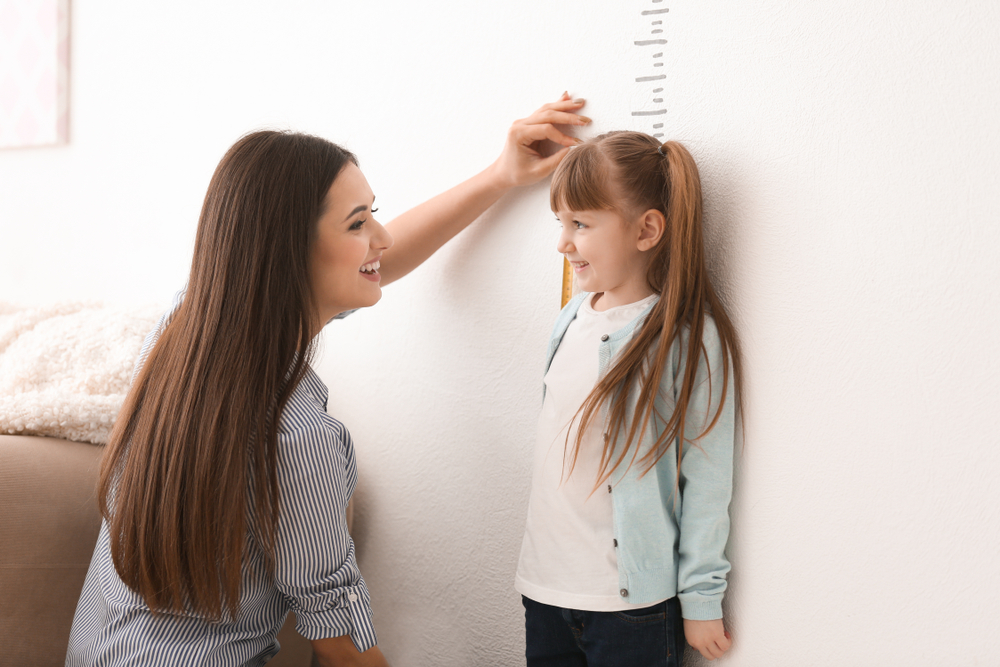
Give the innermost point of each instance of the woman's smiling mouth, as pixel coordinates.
(370, 270)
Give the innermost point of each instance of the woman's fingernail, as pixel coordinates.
(565, 93)
(579, 100)
(586, 121)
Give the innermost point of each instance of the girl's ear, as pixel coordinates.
(652, 224)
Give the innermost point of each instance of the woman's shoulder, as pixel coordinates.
(305, 412)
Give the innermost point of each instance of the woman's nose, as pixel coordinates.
(381, 239)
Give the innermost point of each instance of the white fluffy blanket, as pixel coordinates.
(65, 368)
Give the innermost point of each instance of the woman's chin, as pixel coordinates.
(371, 299)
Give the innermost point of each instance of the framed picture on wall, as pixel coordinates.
(34, 73)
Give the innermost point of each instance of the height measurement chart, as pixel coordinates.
(647, 80)
(651, 77)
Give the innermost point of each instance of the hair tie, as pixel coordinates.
(659, 149)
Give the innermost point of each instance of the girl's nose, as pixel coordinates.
(564, 244)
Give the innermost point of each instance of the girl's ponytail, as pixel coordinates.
(646, 174)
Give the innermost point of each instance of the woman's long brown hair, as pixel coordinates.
(196, 439)
(625, 172)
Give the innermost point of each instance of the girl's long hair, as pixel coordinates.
(195, 443)
(626, 172)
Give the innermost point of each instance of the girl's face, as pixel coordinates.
(609, 255)
(344, 261)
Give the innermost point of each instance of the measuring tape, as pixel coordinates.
(567, 283)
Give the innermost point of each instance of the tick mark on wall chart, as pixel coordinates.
(644, 79)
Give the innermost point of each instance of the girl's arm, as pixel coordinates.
(422, 230)
(706, 489)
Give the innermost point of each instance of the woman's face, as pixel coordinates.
(343, 266)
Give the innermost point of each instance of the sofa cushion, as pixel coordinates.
(48, 527)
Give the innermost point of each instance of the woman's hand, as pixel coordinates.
(522, 162)
(340, 652)
(419, 232)
(707, 637)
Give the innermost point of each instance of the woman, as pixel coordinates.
(224, 484)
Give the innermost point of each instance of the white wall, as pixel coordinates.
(849, 155)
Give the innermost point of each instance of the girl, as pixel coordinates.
(224, 485)
(623, 552)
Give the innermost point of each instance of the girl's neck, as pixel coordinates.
(621, 296)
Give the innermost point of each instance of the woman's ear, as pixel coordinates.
(652, 224)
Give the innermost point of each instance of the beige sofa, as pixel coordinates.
(48, 527)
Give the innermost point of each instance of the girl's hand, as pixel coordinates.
(522, 162)
(707, 637)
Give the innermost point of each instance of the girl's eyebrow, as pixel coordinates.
(357, 209)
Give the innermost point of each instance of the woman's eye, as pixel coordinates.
(358, 225)
(374, 210)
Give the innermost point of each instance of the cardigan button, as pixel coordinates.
(623, 592)
(604, 338)
(616, 544)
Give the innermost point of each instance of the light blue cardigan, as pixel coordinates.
(668, 544)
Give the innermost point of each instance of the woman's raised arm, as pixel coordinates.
(419, 232)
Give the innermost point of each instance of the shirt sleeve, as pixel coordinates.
(706, 484)
(316, 569)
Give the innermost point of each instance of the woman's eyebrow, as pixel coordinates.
(357, 209)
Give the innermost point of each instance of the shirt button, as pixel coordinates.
(604, 338)
(616, 544)
(623, 592)
(352, 597)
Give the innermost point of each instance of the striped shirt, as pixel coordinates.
(316, 573)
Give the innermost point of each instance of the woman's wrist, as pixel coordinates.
(497, 179)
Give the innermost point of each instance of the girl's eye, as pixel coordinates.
(579, 225)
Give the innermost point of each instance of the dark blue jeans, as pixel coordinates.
(649, 637)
